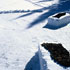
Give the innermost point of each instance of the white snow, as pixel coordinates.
(54, 21)
(19, 45)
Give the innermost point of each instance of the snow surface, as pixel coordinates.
(20, 47)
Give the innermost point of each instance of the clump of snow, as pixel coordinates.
(55, 21)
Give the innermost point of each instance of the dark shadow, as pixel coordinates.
(60, 15)
(44, 1)
(14, 11)
(54, 27)
(58, 53)
(34, 11)
(34, 63)
(23, 11)
(61, 7)
(27, 11)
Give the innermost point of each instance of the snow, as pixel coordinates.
(16, 4)
(20, 47)
(22, 4)
(13, 48)
(63, 20)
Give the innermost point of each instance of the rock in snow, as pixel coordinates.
(58, 53)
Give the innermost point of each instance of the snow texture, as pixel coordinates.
(20, 47)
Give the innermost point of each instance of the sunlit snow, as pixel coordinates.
(20, 48)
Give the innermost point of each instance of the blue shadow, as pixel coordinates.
(55, 27)
(34, 63)
(14, 11)
(33, 12)
(63, 6)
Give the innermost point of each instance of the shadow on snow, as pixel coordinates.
(54, 27)
(63, 6)
(34, 63)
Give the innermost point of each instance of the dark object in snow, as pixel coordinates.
(58, 53)
(60, 15)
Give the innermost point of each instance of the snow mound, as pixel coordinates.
(56, 21)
